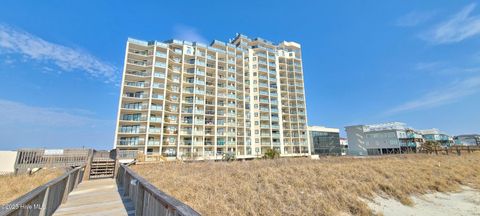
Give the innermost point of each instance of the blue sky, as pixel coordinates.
(364, 61)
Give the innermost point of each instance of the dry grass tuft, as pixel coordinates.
(14, 186)
(330, 186)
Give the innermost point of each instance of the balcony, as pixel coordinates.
(158, 96)
(186, 132)
(171, 120)
(159, 75)
(263, 93)
(160, 64)
(158, 85)
(138, 63)
(199, 72)
(134, 106)
(133, 142)
(156, 119)
(131, 129)
(161, 54)
(210, 112)
(155, 130)
(188, 111)
(199, 82)
(136, 84)
(135, 96)
(140, 52)
(137, 73)
(197, 91)
(154, 142)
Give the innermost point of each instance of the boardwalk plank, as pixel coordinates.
(96, 197)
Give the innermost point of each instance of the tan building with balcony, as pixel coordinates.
(183, 99)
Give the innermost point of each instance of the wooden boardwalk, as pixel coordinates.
(96, 197)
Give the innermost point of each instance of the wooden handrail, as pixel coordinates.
(45, 199)
(147, 199)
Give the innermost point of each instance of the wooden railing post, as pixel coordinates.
(43, 210)
(126, 184)
(67, 188)
(140, 198)
(77, 177)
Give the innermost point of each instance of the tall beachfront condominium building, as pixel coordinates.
(187, 99)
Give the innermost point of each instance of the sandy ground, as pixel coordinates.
(466, 202)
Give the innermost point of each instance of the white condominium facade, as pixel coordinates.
(187, 99)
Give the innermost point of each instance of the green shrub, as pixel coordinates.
(229, 156)
(271, 154)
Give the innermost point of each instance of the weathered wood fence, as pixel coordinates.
(44, 200)
(40, 158)
(456, 149)
(147, 199)
(127, 154)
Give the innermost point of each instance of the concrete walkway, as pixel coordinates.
(96, 197)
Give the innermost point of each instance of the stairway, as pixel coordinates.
(102, 168)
